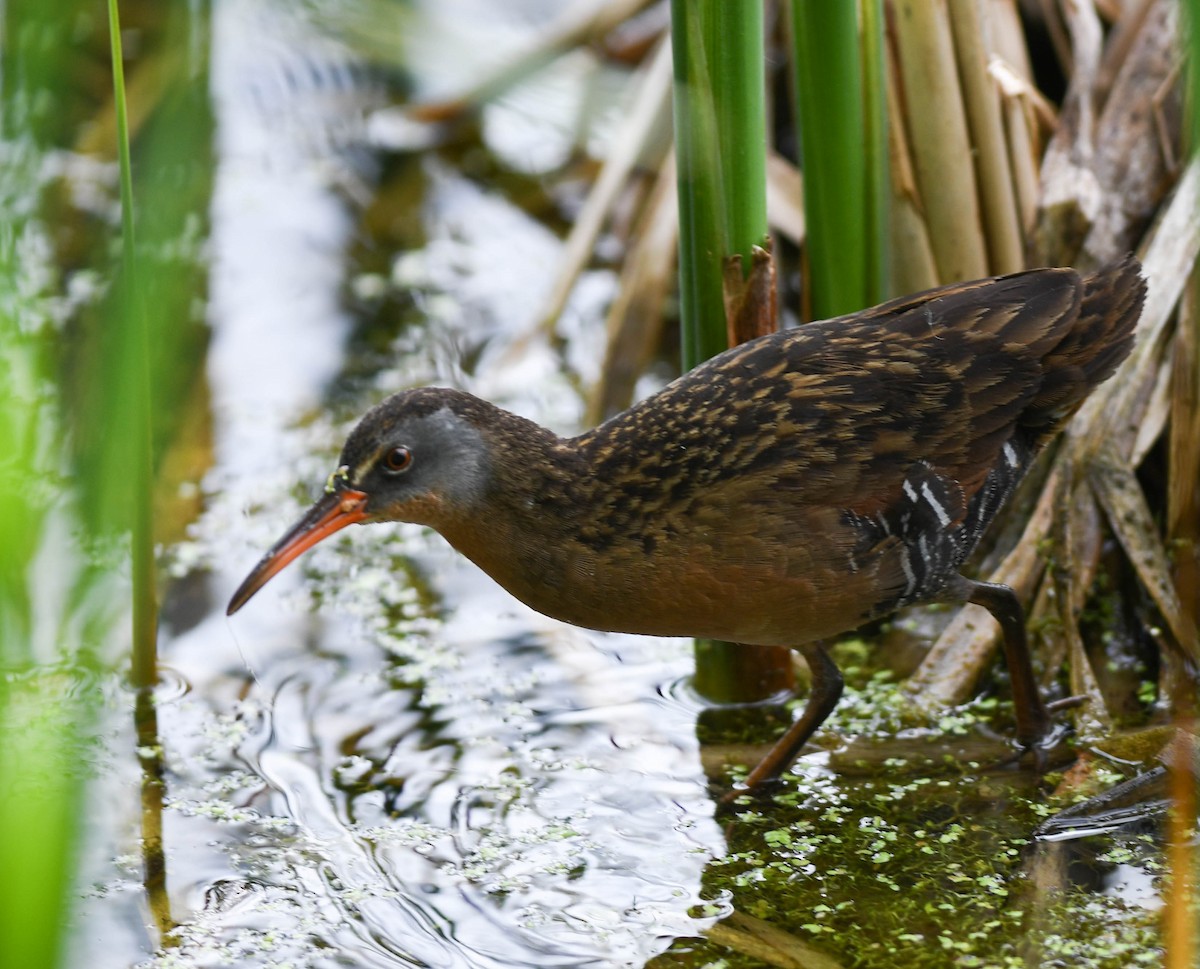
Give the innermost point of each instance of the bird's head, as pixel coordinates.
(420, 456)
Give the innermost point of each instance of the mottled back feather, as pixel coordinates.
(836, 412)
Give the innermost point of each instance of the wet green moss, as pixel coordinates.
(932, 871)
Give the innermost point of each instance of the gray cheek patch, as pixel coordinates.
(451, 456)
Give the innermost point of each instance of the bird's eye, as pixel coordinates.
(397, 459)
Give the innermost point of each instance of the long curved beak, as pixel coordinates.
(331, 514)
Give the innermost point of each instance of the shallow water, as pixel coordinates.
(385, 760)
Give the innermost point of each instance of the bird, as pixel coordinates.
(782, 493)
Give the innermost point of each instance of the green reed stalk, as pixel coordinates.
(703, 238)
(141, 480)
(839, 130)
(43, 710)
(875, 142)
(733, 41)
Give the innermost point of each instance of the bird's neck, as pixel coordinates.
(530, 470)
(526, 529)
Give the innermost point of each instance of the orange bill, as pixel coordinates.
(331, 514)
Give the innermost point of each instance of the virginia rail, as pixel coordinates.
(783, 492)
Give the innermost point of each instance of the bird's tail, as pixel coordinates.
(1091, 349)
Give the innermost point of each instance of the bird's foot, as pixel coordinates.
(1045, 744)
(1050, 737)
(755, 792)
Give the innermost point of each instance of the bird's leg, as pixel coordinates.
(1034, 727)
(826, 691)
